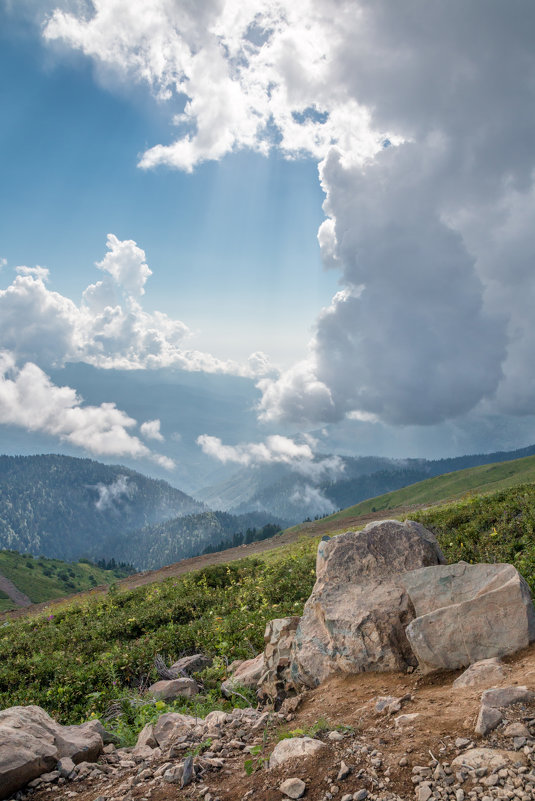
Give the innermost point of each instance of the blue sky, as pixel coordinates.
(71, 177)
(308, 223)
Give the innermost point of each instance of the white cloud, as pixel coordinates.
(109, 328)
(424, 135)
(151, 430)
(275, 450)
(312, 499)
(109, 493)
(125, 262)
(3, 263)
(28, 398)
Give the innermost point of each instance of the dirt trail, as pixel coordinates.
(313, 529)
(16, 595)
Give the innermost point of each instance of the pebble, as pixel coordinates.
(293, 788)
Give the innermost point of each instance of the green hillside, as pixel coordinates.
(487, 478)
(43, 579)
(78, 659)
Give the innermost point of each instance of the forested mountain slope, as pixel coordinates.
(66, 508)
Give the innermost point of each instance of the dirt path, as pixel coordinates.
(16, 595)
(313, 529)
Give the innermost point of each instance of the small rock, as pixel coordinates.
(485, 673)
(487, 720)
(516, 730)
(344, 771)
(424, 792)
(293, 788)
(295, 747)
(335, 736)
(65, 767)
(501, 697)
(173, 775)
(360, 795)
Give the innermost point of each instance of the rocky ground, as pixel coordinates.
(364, 752)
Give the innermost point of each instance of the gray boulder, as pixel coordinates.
(168, 689)
(172, 725)
(31, 743)
(356, 616)
(466, 613)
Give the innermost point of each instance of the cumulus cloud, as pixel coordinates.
(423, 130)
(28, 398)
(109, 328)
(275, 450)
(151, 430)
(312, 499)
(125, 262)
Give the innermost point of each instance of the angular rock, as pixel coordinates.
(168, 689)
(190, 664)
(247, 675)
(31, 743)
(293, 788)
(466, 613)
(170, 726)
(356, 616)
(217, 718)
(278, 638)
(65, 767)
(487, 720)
(490, 758)
(500, 697)
(482, 674)
(296, 747)
(146, 737)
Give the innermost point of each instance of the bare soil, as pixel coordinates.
(349, 701)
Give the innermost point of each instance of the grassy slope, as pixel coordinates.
(43, 579)
(486, 478)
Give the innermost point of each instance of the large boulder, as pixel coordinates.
(31, 743)
(466, 613)
(278, 638)
(356, 616)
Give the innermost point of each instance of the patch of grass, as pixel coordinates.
(76, 660)
(486, 478)
(43, 579)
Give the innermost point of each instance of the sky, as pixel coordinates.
(308, 223)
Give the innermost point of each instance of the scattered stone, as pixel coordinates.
(487, 720)
(173, 775)
(172, 725)
(517, 730)
(294, 747)
(488, 758)
(335, 736)
(344, 771)
(293, 788)
(146, 737)
(187, 772)
(248, 674)
(501, 697)
(190, 664)
(65, 767)
(167, 690)
(360, 795)
(482, 674)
